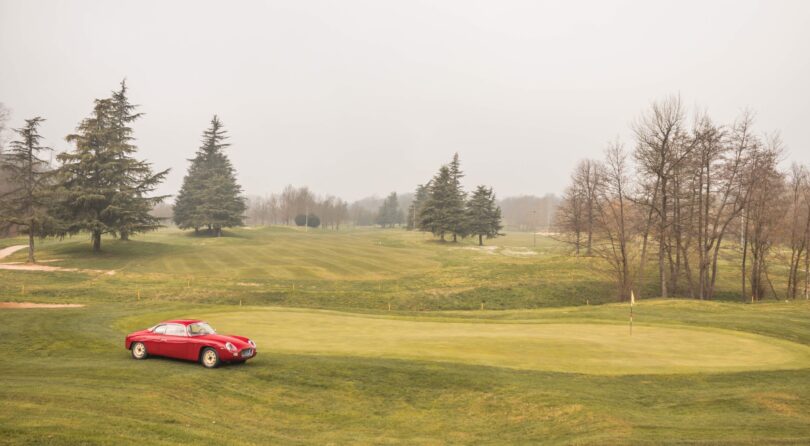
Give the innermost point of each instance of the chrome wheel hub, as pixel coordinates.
(210, 358)
(139, 350)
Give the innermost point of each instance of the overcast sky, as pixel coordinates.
(355, 98)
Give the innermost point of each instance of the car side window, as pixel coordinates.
(161, 329)
(175, 330)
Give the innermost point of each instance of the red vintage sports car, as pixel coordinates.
(190, 339)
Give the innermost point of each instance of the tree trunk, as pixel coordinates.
(744, 253)
(806, 273)
(662, 270)
(644, 240)
(31, 258)
(589, 246)
(125, 236)
(96, 241)
(480, 240)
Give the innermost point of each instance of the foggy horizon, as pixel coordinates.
(364, 98)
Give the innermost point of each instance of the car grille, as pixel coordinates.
(248, 352)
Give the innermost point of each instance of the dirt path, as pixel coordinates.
(33, 305)
(16, 266)
(5, 252)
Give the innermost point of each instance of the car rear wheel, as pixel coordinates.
(209, 358)
(139, 350)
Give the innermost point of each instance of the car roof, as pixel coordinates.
(181, 321)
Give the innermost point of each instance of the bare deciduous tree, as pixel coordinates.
(661, 147)
(765, 210)
(569, 219)
(692, 191)
(615, 232)
(798, 228)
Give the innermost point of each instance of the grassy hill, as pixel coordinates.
(537, 365)
(359, 269)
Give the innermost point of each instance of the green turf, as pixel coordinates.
(592, 348)
(436, 369)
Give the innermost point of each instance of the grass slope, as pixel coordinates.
(593, 348)
(69, 380)
(359, 269)
(533, 372)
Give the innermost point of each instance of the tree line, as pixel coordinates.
(298, 206)
(529, 212)
(443, 208)
(687, 198)
(100, 187)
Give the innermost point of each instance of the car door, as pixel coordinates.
(175, 341)
(154, 341)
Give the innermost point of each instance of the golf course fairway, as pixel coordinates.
(588, 348)
(375, 337)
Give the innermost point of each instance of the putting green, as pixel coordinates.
(591, 348)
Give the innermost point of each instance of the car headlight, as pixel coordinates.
(252, 344)
(230, 347)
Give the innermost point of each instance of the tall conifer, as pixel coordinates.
(103, 188)
(456, 199)
(437, 214)
(26, 203)
(483, 215)
(210, 196)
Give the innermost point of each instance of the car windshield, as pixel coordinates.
(199, 329)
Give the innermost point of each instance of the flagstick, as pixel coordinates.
(631, 319)
(632, 301)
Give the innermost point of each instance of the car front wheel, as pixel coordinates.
(139, 351)
(209, 358)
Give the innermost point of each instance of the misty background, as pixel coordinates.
(357, 99)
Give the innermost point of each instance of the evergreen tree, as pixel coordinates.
(210, 196)
(102, 187)
(134, 214)
(441, 210)
(26, 203)
(456, 200)
(483, 215)
(389, 213)
(310, 220)
(415, 209)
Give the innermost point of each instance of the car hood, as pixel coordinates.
(238, 341)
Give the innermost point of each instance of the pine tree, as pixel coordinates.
(210, 196)
(134, 207)
(389, 213)
(456, 200)
(26, 204)
(102, 188)
(415, 209)
(483, 215)
(441, 210)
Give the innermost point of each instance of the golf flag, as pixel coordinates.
(632, 301)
